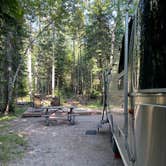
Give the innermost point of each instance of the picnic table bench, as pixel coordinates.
(59, 113)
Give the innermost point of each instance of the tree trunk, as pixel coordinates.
(112, 46)
(36, 78)
(73, 73)
(53, 65)
(30, 73)
(9, 79)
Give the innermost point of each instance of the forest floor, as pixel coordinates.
(64, 144)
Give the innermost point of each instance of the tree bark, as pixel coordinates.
(9, 68)
(53, 65)
(30, 73)
(26, 50)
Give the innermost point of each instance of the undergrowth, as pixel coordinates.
(12, 144)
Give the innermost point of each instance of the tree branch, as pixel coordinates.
(29, 45)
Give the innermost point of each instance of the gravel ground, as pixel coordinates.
(65, 145)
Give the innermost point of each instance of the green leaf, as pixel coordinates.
(12, 8)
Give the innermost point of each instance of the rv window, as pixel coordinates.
(153, 48)
(121, 61)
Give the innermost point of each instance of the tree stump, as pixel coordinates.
(55, 101)
(37, 101)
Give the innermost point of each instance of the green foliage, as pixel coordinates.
(95, 94)
(97, 49)
(12, 146)
(75, 36)
(98, 33)
(11, 36)
(7, 118)
(18, 112)
(12, 8)
(95, 104)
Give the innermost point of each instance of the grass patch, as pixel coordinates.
(12, 146)
(18, 112)
(94, 104)
(24, 99)
(7, 118)
(4, 127)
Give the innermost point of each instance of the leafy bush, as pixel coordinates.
(95, 94)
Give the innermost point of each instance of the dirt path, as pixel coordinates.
(65, 145)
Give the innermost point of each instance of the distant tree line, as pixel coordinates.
(57, 47)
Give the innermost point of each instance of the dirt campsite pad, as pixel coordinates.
(65, 145)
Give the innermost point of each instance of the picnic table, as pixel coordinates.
(56, 113)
